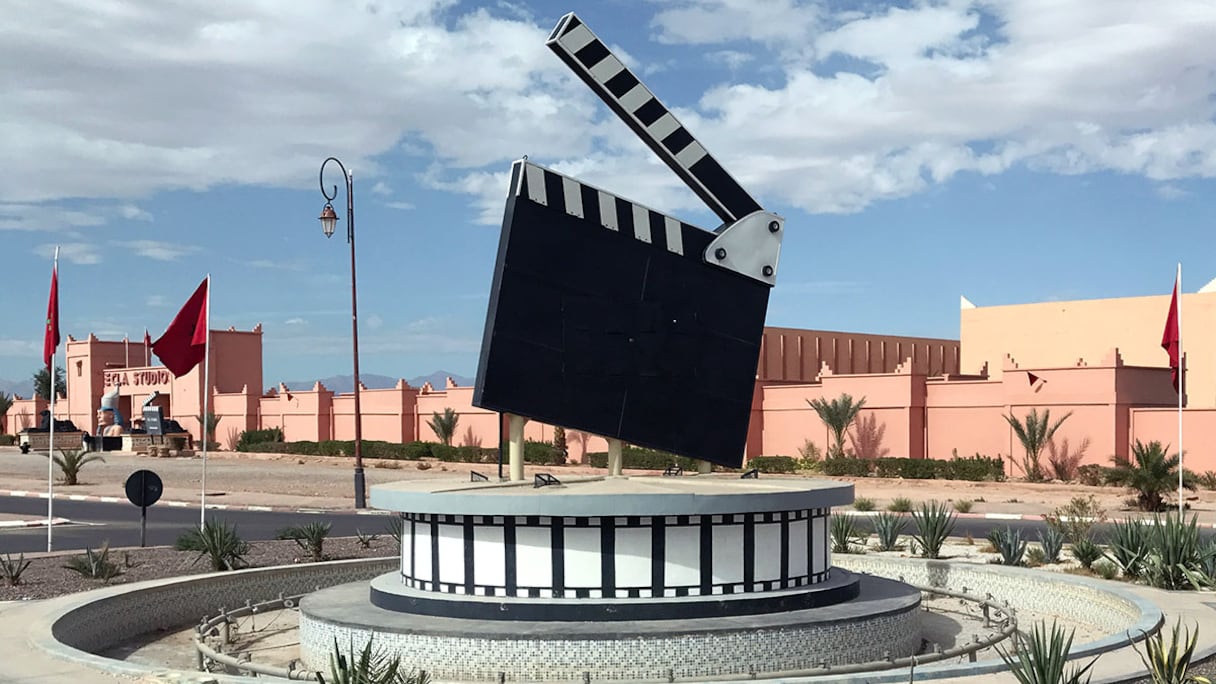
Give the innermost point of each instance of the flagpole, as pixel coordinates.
(1181, 390)
(202, 514)
(50, 456)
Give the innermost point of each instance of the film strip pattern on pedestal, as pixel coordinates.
(617, 557)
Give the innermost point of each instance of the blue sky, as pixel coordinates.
(1011, 152)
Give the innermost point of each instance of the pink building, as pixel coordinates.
(1101, 360)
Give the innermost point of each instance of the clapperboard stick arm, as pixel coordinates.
(750, 241)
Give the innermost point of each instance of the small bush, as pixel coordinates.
(900, 504)
(249, 438)
(863, 504)
(1105, 569)
(640, 458)
(8, 440)
(1035, 557)
(773, 464)
(963, 505)
(12, 569)
(1208, 479)
(1093, 475)
(844, 466)
(1076, 520)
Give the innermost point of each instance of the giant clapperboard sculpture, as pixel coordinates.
(612, 318)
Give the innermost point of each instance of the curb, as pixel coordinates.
(191, 504)
(10, 524)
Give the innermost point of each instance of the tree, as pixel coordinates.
(1034, 435)
(444, 426)
(1152, 473)
(866, 437)
(6, 403)
(71, 461)
(42, 383)
(208, 426)
(837, 414)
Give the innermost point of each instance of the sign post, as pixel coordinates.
(144, 488)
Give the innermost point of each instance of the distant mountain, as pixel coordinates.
(24, 388)
(340, 384)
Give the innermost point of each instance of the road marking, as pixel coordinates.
(178, 504)
(77, 497)
(258, 508)
(111, 499)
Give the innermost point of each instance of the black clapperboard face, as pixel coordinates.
(612, 318)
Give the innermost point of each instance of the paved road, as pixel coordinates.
(93, 523)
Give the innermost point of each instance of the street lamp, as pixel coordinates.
(329, 219)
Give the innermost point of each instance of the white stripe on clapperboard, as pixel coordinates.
(572, 193)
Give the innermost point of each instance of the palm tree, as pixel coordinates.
(42, 383)
(6, 403)
(444, 425)
(71, 461)
(838, 415)
(1034, 435)
(1153, 473)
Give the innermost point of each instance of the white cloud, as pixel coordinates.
(853, 107)
(134, 213)
(373, 322)
(295, 321)
(72, 252)
(381, 188)
(160, 251)
(1169, 191)
(12, 347)
(155, 301)
(399, 205)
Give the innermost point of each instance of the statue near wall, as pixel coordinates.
(109, 418)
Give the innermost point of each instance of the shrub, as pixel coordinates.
(810, 453)
(12, 569)
(1064, 462)
(866, 437)
(641, 458)
(1076, 520)
(963, 505)
(773, 464)
(1092, 475)
(900, 504)
(251, 437)
(977, 468)
(8, 440)
(863, 504)
(843, 466)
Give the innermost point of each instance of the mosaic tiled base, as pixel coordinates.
(657, 650)
(122, 614)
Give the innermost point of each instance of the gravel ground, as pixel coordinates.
(46, 577)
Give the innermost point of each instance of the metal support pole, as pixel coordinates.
(616, 460)
(517, 447)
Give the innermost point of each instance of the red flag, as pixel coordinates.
(1034, 379)
(50, 340)
(147, 347)
(1171, 337)
(184, 342)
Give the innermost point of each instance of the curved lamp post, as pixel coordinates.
(329, 219)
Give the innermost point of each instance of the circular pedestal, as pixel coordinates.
(616, 578)
(883, 621)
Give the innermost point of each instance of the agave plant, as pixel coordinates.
(1129, 546)
(216, 541)
(310, 537)
(1171, 664)
(1009, 543)
(1052, 541)
(1042, 658)
(934, 523)
(888, 527)
(368, 667)
(845, 534)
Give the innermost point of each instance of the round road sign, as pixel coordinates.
(144, 488)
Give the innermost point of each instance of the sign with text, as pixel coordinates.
(155, 377)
